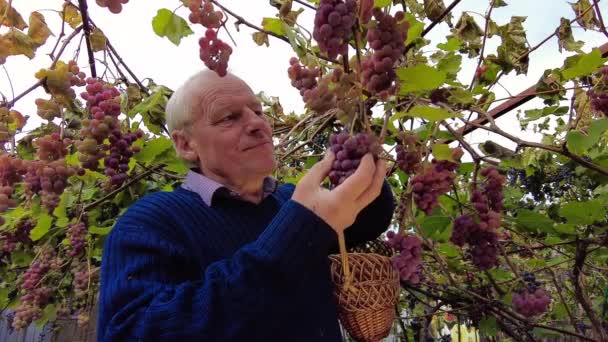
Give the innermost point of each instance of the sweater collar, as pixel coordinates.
(207, 188)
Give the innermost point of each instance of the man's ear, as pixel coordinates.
(183, 147)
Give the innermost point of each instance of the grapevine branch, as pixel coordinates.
(600, 19)
(433, 23)
(581, 254)
(87, 33)
(523, 143)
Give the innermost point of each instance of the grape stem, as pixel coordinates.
(87, 33)
(483, 44)
(11, 103)
(241, 20)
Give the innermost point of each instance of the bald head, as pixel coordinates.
(191, 96)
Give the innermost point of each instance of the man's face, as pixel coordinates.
(229, 133)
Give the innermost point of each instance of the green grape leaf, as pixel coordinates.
(450, 64)
(583, 64)
(597, 128)
(382, 3)
(102, 231)
(49, 314)
(453, 44)
(21, 258)
(499, 274)
(578, 143)
(488, 326)
(42, 226)
(4, 296)
(448, 250)
(152, 149)
(273, 25)
(436, 227)
(420, 77)
(152, 109)
(533, 221)
(565, 228)
(442, 152)
(583, 212)
(415, 30)
(170, 25)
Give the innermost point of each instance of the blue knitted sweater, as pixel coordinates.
(175, 269)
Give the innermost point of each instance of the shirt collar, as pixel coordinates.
(207, 188)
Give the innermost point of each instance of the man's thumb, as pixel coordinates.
(319, 171)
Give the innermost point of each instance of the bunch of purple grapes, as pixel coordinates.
(81, 281)
(407, 262)
(77, 236)
(333, 25)
(484, 249)
(51, 147)
(434, 182)
(49, 179)
(599, 101)
(531, 300)
(34, 295)
(349, 150)
(302, 78)
(483, 243)
(21, 234)
(115, 6)
(599, 97)
(104, 108)
(409, 153)
(121, 151)
(214, 52)
(387, 39)
(30, 307)
(104, 105)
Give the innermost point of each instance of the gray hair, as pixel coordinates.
(180, 106)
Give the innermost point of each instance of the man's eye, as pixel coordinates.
(228, 118)
(259, 112)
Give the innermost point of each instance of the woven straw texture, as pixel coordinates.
(368, 312)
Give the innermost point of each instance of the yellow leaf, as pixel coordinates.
(70, 15)
(12, 18)
(260, 38)
(15, 43)
(38, 30)
(98, 40)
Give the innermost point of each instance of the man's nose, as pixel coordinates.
(255, 123)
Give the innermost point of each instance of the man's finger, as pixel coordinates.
(372, 191)
(356, 184)
(319, 171)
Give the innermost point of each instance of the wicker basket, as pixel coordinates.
(366, 307)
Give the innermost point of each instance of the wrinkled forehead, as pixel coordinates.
(210, 93)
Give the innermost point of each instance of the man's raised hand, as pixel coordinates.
(340, 206)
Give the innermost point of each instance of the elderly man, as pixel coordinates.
(229, 255)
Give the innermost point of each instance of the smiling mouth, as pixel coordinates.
(256, 146)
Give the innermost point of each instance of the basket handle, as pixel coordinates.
(345, 267)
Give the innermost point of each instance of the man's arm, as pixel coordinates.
(146, 293)
(373, 220)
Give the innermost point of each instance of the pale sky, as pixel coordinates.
(265, 69)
